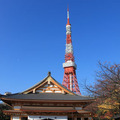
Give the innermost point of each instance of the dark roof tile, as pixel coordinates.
(48, 96)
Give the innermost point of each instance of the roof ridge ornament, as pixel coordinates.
(49, 73)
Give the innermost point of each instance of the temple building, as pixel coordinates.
(50, 100)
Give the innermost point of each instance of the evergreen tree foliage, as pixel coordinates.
(2, 115)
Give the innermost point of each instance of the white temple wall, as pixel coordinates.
(15, 118)
(47, 117)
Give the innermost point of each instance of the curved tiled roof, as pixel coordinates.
(47, 96)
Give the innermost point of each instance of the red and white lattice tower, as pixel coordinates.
(70, 79)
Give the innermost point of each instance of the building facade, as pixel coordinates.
(48, 99)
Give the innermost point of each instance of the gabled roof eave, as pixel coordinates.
(38, 84)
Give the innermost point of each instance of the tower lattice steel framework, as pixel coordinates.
(70, 79)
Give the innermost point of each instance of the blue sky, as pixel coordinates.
(33, 33)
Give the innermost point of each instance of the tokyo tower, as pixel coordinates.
(70, 79)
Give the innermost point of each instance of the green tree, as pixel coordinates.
(2, 115)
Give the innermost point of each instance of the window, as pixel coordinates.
(24, 118)
(79, 118)
(70, 119)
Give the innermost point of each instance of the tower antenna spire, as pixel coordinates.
(68, 12)
(68, 16)
(70, 79)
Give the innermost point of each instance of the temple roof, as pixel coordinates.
(48, 78)
(46, 89)
(46, 96)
